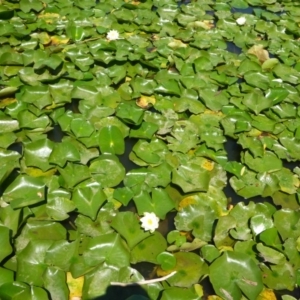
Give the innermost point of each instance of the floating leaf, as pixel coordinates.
(73, 174)
(88, 198)
(256, 101)
(24, 191)
(55, 282)
(166, 260)
(160, 202)
(107, 170)
(190, 268)
(63, 152)
(270, 255)
(109, 248)
(128, 226)
(148, 249)
(242, 276)
(111, 140)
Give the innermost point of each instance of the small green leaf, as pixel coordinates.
(242, 276)
(127, 225)
(166, 260)
(160, 202)
(130, 113)
(81, 127)
(109, 248)
(73, 174)
(54, 280)
(256, 101)
(111, 140)
(124, 195)
(190, 269)
(148, 249)
(88, 198)
(24, 191)
(63, 152)
(270, 255)
(107, 170)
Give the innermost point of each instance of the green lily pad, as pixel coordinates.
(191, 177)
(127, 225)
(160, 202)
(272, 280)
(166, 260)
(73, 174)
(55, 282)
(24, 191)
(287, 223)
(175, 293)
(256, 101)
(197, 217)
(130, 113)
(31, 264)
(270, 255)
(124, 195)
(111, 140)
(148, 249)
(64, 152)
(109, 248)
(37, 154)
(88, 198)
(59, 205)
(268, 163)
(242, 276)
(81, 127)
(190, 269)
(107, 170)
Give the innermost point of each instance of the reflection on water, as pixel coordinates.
(233, 48)
(55, 134)
(124, 158)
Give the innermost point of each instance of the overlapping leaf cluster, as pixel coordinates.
(182, 79)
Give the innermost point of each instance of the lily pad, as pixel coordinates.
(88, 198)
(190, 269)
(111, 140)
(127, 225)
(243, 276)
(107, 170)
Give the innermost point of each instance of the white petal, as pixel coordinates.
(149, 222)
(241, 20)
(112, 35)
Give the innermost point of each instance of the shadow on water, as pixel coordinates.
(248, 10)
(124, 293)
(124, 158)
(55, 134)
(233, 48)
(233, 149)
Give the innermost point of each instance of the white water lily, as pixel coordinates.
(241, 20)
(113, 35)
(149, 222)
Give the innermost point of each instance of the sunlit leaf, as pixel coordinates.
(107, 170)
(127, 225)
(148, 249)
(88, 198)
(109, 248)
(111, 140)
(242, 276)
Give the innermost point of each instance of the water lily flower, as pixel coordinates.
(113, 35)
(149, 222)
(241, 20)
